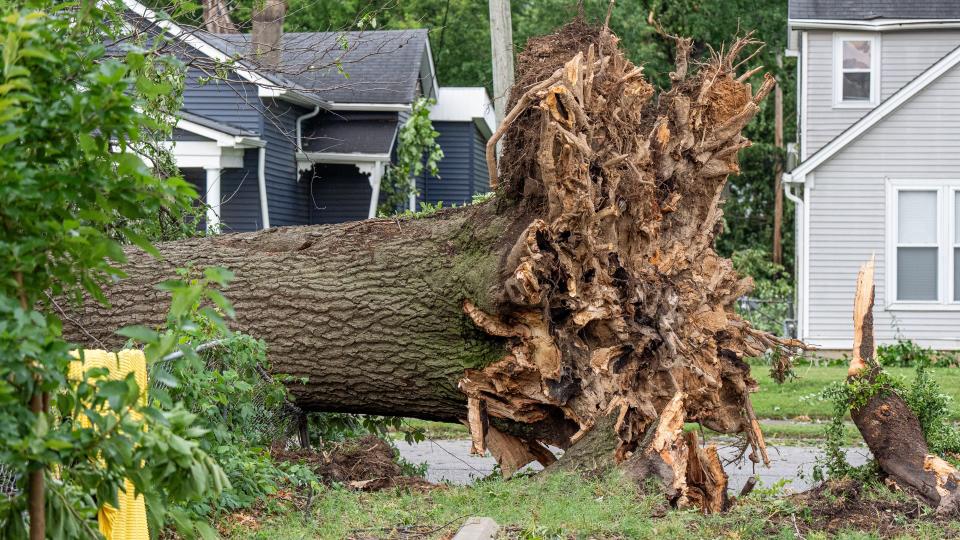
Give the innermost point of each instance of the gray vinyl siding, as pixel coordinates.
(338, 193)
(231, 101)
(240, 193)
(904, 55)
(848, 208)
(288, 198)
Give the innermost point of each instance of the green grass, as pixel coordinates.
(793, 400)
(542, 507)
(801, 396)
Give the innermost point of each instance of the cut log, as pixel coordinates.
(587, 287)
(890, 429)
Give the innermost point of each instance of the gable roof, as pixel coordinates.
(375, 67)
(863, 10)
(268, 85)
(892, 103)
(378, 67)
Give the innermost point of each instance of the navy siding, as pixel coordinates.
(481, 174)
(232, 101)
(198, 179)
(339, 193)
(289, 199)
(457, 181)
(240, 193)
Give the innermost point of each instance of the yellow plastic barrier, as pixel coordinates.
(129, 521)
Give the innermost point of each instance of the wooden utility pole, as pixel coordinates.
(778, 169)
(501, 44)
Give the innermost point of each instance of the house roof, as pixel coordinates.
(321, 68)
(881, 111)
(221, 127)
(864, 10)
(352, 132)
(376, 67)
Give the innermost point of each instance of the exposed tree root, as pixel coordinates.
(890, 429)
(614, 301)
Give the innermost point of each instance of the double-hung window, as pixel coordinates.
(923, 241)
(856, 70)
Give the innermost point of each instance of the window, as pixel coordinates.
(923, 264)
(856, 78)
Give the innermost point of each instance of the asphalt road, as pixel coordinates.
(450, 461)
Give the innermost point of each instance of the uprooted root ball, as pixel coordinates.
(613, 299)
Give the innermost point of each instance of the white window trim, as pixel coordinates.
(838, 39)
(946, 240)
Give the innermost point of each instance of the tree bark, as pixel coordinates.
(370, 312)
(588, 289)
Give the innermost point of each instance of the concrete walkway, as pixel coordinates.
(450, 461)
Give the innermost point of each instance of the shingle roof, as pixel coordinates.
(863, 10)
(348, 67)
(350, 132)
(213, 124)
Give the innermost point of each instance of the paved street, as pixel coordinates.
(450, 460)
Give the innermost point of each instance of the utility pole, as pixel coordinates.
(501, 44)
(778, 169)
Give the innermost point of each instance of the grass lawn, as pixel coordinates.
(800, 396)
(561, 506)
(792, 400)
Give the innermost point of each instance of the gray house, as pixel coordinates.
(878, 170)
(305, 138)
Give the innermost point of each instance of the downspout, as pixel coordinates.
(300, 119)
(798, 256)
(262, 183)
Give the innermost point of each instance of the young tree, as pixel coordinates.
(74, 190)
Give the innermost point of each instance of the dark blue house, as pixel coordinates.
(306, 139)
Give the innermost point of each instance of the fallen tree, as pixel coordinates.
(586, 289)
(891, 430)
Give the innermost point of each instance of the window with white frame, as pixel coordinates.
(856, 69)
(924, 242)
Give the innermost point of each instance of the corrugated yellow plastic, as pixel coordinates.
(129, 521)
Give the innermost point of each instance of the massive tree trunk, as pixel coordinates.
(371, 312)
(587, 288)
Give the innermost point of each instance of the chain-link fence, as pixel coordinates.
(775, 315)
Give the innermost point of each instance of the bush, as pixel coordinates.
(906, 353)
(769, 304)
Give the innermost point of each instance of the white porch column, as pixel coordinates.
(213, 200)
(376, 174)
(413, 195)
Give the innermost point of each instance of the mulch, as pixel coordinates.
(368, 464)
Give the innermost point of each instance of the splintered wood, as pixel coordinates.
(890, 429)
(613, 300)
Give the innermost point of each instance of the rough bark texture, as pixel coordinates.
(370, 312)
(587, 290)
(890, 429)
